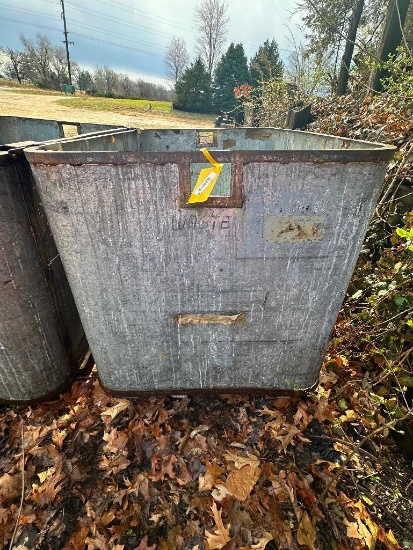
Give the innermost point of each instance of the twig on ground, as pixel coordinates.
(355, 451)
(22, 492)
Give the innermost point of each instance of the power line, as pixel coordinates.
(146, 14)
(116, 34)
(29, 24)
(82, 36)
(116, 19)
(87, 26)
(117, 45)
(31, 12)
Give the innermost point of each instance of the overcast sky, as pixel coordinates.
(130, 36)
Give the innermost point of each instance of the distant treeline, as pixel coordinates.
(44, 65)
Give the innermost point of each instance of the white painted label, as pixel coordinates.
(205, 183)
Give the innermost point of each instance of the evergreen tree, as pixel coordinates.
(193, 89)
(231, 71)
(266, 63)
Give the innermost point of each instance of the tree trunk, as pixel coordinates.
(390, 40)
(348, 51)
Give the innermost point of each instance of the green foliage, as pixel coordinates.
(193, 89)
(231, 71)
(84, 80)
(398, 82)
(266, 63)
(269, 103)
(406, 235)
(379, 312)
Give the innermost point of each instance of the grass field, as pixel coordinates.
(130, 107)
(109, 104)
(24, 100)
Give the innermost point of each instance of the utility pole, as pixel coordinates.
(66, 41)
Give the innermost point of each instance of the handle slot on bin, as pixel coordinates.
(232, 173)
(209, 318)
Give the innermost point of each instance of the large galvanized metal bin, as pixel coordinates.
(42, 341)
(239, 293)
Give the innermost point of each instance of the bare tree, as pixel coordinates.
(14, 64)
(37, 56)
(211, 21)
(58, 64)
(349, 48)
(176, 59)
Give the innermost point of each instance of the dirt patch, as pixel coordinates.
(47, 107)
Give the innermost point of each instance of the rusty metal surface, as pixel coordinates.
(137, 260)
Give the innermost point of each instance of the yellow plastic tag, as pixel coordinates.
(206, 180)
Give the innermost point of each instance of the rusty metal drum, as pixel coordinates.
(238, 293)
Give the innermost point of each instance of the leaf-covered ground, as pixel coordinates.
(316, 471)
(222, 471)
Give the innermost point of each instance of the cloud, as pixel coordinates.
(131, 38)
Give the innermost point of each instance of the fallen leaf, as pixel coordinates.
(306, 534)
(77, 539)
(212, 473)
(144, 545)
(349, 416)
(388, 539)
(10, 487)
(220, 492)
(107, 517)
(219, 538)
(263, 542)
(352, 530)
(115, 441)
(113, 412)
(240, 482)
(49, 490)
(288, 438)
(114, 464)
(240, 460)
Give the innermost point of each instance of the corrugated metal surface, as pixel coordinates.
(240, 293)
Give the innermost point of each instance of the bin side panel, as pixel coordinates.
(137, 263)
(19, 129)
(66, 314)
(32, 360)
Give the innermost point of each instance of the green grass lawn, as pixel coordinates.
(113, 105)
(134, 107)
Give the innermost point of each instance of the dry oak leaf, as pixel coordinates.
(365, 529)
(261, 545)
(114, 464)
(388, 539)
(306, 534)
(112, 412)
(4, 515)
(219, 538)
(144, 545)
(242, 479)
(115, 441)
(166, 468)
(288, 438)
(10, 487)
(78, 539)
(212, 473)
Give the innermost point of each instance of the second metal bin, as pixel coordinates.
(42, 341)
